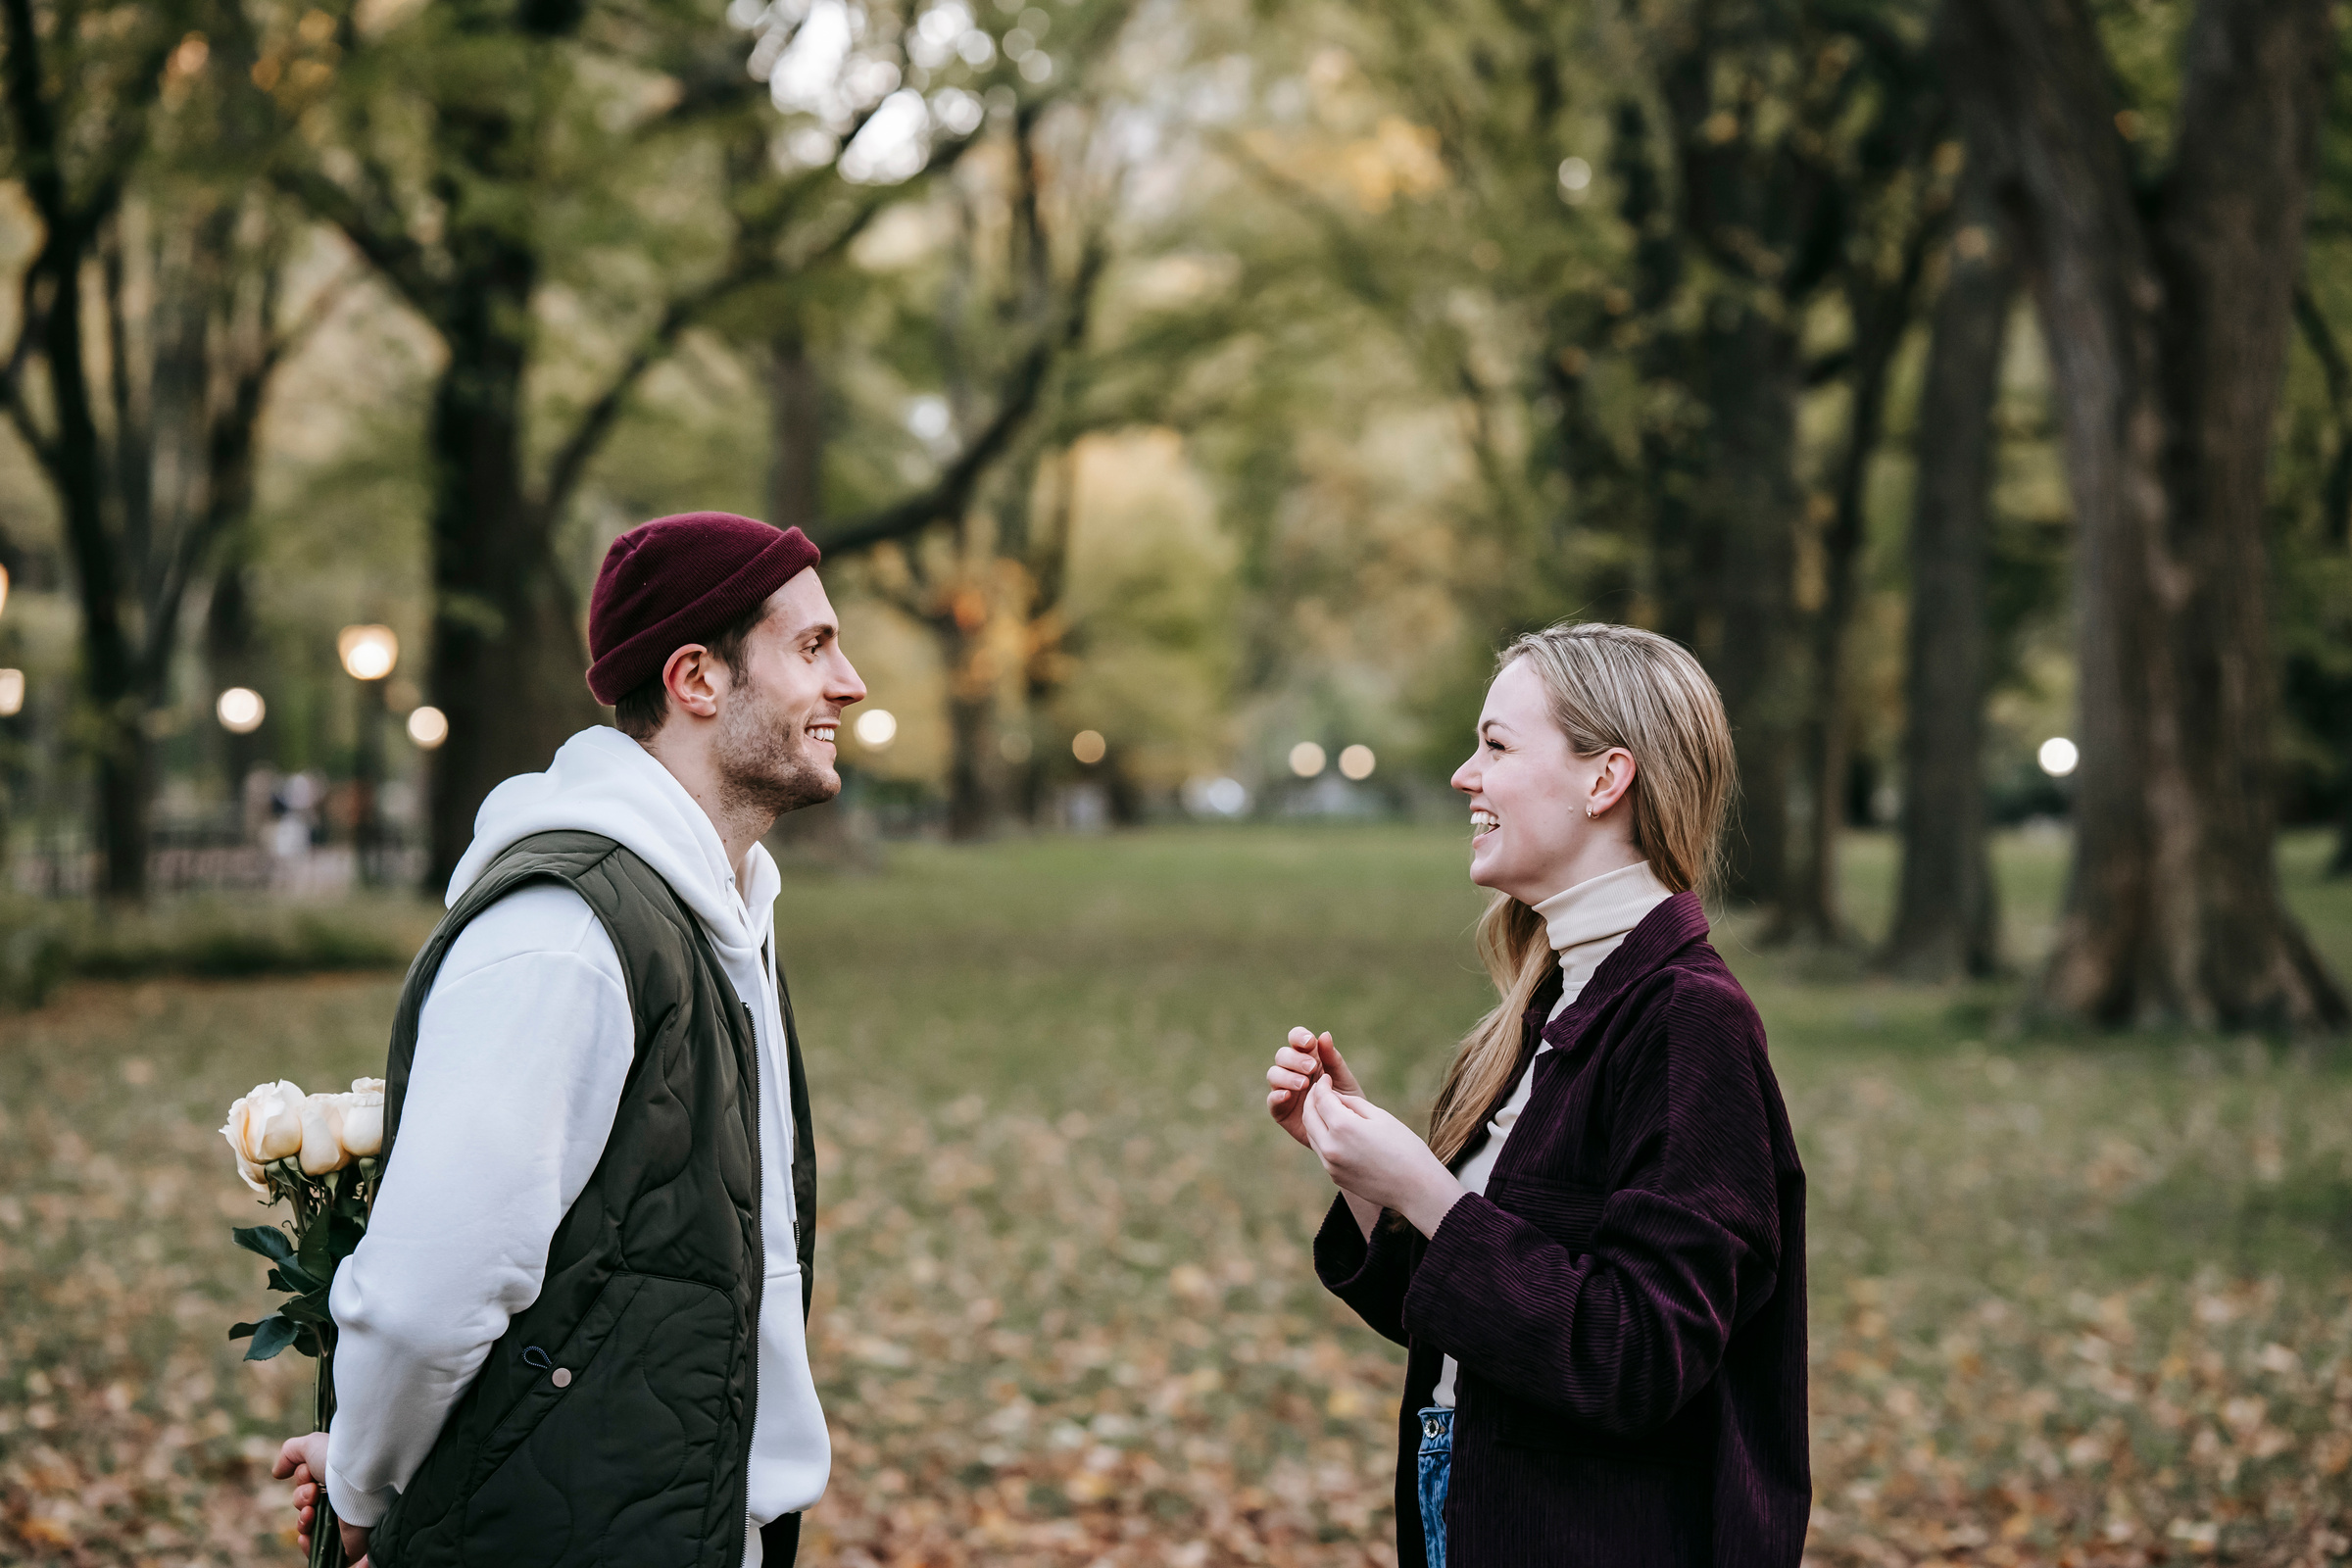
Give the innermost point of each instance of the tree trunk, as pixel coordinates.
(506, 658)
(2167, 313)
(110, 666)
(1881, 311)
(795, 483)
(231, 658)
(1946, 919)
(1744, 523)
(972, 798)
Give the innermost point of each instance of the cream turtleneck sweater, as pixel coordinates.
(1588, 922)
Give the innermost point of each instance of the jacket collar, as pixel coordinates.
(1663, 932)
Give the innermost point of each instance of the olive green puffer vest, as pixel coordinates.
(612, 1422)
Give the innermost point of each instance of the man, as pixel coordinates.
(574, 1331)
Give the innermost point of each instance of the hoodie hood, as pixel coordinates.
(603, 782)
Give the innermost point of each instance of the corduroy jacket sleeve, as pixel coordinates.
(1685, 1249)
(1369, 1276)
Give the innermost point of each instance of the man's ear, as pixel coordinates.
(691, 679)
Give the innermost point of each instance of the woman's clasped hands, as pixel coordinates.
(1372, 1157)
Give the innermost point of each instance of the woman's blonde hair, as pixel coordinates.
(1606, 686)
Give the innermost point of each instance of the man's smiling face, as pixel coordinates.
(779, 727)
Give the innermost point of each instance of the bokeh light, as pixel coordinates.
(1306, 759)
(2058, 755)
(1216, 797)
(240, 710)
(1576, 176)
(429, 727)
(1357, 763)
(3, 590)
(876, 728)
(369, 652)
(1089, 746)
(11, 693)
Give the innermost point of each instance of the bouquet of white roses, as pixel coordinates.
(319, 1155)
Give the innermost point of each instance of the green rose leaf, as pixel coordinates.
(270, 1335)
(294, 1280)
(312, 1253)
(310, 1307)
(267, 1240)
(241, 1331)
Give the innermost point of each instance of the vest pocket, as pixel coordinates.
(613, 1463)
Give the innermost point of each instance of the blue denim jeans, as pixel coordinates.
(1437, 1468)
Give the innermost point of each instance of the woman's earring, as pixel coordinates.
(1588, 812)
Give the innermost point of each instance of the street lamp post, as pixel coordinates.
(368, 654)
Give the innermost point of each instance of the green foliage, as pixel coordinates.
(330, 1219)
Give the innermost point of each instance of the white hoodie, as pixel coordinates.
(521, 1051)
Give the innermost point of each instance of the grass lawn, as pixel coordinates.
(2073, 1299)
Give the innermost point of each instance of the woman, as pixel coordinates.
(1597, 1259)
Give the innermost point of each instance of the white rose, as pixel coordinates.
(266, 1125)
(364, 1117)
(255, 1177)
(323, 1148)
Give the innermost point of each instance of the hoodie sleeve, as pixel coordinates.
(522, 1050)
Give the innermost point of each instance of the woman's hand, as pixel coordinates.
(1304, 1060)
(1372, 1155)
(303, 1461)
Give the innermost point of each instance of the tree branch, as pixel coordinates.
(952, 490)
(597, 421)
(386, 245)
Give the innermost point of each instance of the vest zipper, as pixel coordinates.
(760, 1286)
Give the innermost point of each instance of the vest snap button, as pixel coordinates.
(562, 1377)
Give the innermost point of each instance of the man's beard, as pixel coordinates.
(764, 759)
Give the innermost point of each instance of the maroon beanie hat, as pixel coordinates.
(678, 580)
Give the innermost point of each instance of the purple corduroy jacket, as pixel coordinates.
(1627, 1300)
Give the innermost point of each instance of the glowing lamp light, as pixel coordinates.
(1306, 759)
(876, 728)
(240, 710)
(429, 727)
(1357, 761)
(11, 693)
(2058, 755)
(1089, 746)
(369, 652)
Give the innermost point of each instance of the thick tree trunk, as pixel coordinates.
(795, 412)
(1742, 523)
(2166, 316)
(507, 665)
(1945, 918)
(110, 666)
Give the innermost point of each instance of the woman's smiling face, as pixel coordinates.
(1530, 834)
